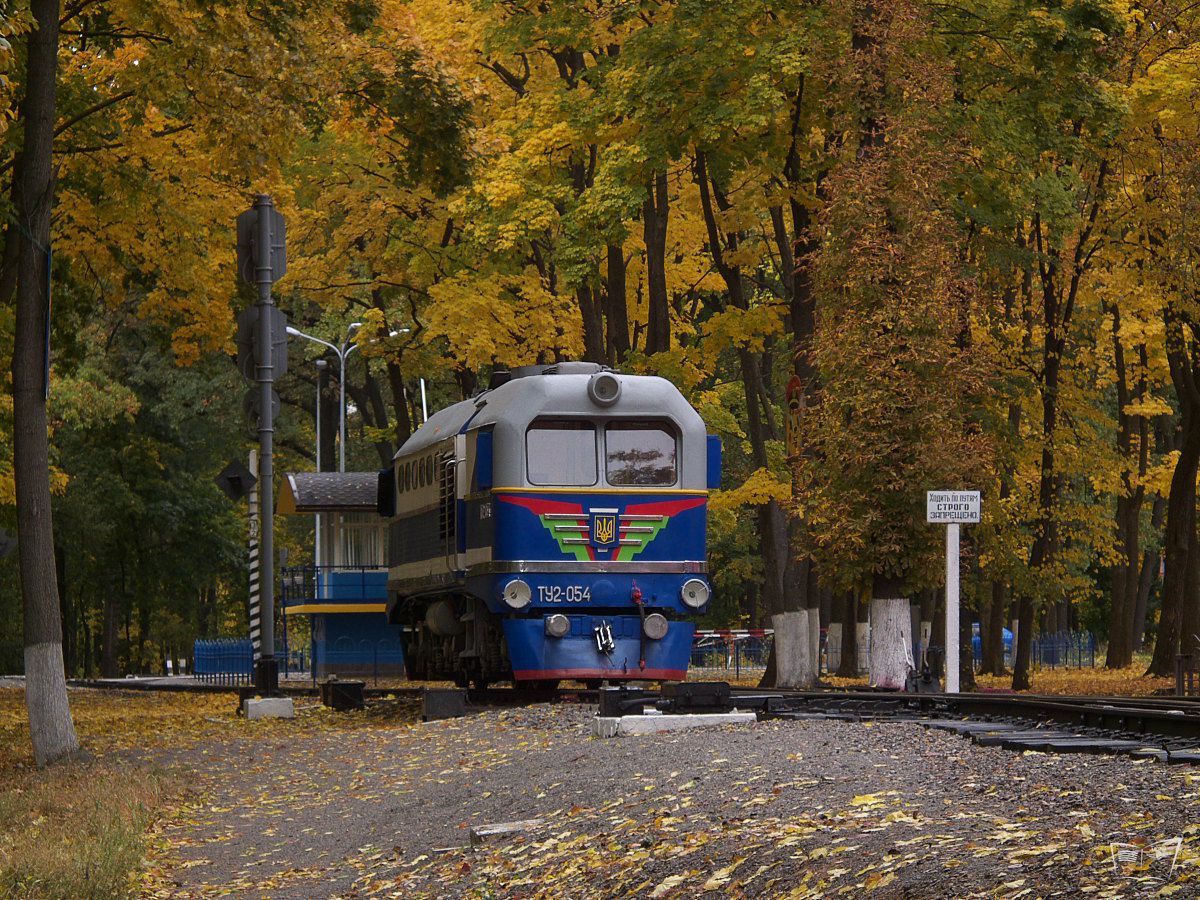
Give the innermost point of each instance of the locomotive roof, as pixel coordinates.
(561, 391)
(306, 492)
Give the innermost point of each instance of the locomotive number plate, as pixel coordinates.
(572, 593)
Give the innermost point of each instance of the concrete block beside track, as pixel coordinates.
(615, 726)
(269, 708)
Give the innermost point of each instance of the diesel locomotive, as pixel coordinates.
(552, 527)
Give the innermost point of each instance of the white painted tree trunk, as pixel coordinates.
(814, 644)
(891, 638)
(833, 647)
(792, 648)
(50, 725)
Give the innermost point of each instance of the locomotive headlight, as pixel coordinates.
(655, 626)
(603, 388)
(694, 593)
(517, 594)
(557, 625)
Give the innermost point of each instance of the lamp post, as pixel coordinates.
(321, 366)
(343, 353)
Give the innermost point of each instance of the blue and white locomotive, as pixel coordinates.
(552, 527)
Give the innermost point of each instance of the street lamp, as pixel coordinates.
(321, 366)
(343, 352)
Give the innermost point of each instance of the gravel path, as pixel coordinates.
(804, 809)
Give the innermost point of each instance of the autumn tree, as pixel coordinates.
(898, 378)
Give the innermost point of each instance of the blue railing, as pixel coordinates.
(303, 585)
(223, 661)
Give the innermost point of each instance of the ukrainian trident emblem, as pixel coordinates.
(604, 528)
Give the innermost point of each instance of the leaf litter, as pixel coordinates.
(355, 805)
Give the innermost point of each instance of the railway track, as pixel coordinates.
(1157, 728)
(1164, 728)
(1167, 729)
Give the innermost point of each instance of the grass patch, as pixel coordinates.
(78, 831)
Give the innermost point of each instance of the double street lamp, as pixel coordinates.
(343, 352)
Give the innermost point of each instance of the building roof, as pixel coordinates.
(311, 492)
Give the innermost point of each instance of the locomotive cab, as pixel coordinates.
(552, 527)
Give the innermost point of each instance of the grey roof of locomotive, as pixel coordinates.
(512, 406)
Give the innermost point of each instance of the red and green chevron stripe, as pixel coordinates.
(570, 525)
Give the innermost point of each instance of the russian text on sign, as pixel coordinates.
(947, 507)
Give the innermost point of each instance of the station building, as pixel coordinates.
(344, 592)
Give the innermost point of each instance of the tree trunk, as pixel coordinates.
(1181, 503)
(794, 667)
(1044, 543)
(616, 312)
(1124, 574)
(50, 723)
(143, 611)
(372, 411)
(329, 423)
(993, 648)
(1119, 640)
(203, 611)
(814, 641)
(1149, 575)
(1189, 619)
(593, 324)
(404, 428)
(67, 611)
(966, 651)
(891, 635)
(110, 622)
(848, 664)
(654, 221)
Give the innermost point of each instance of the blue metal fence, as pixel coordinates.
(726, 654)
(223, 661)
(1064, 650)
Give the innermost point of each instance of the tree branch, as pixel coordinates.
(91, 110)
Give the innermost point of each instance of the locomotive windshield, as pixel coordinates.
(639, 453)
(561, 453)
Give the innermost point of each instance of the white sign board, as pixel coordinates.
(952, 507)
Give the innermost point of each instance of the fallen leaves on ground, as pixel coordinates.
(1097, 681)
(1131, 681)
(378, 804)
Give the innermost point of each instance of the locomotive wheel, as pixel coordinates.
(593, 684)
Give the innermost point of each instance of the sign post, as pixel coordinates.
(952, 508)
